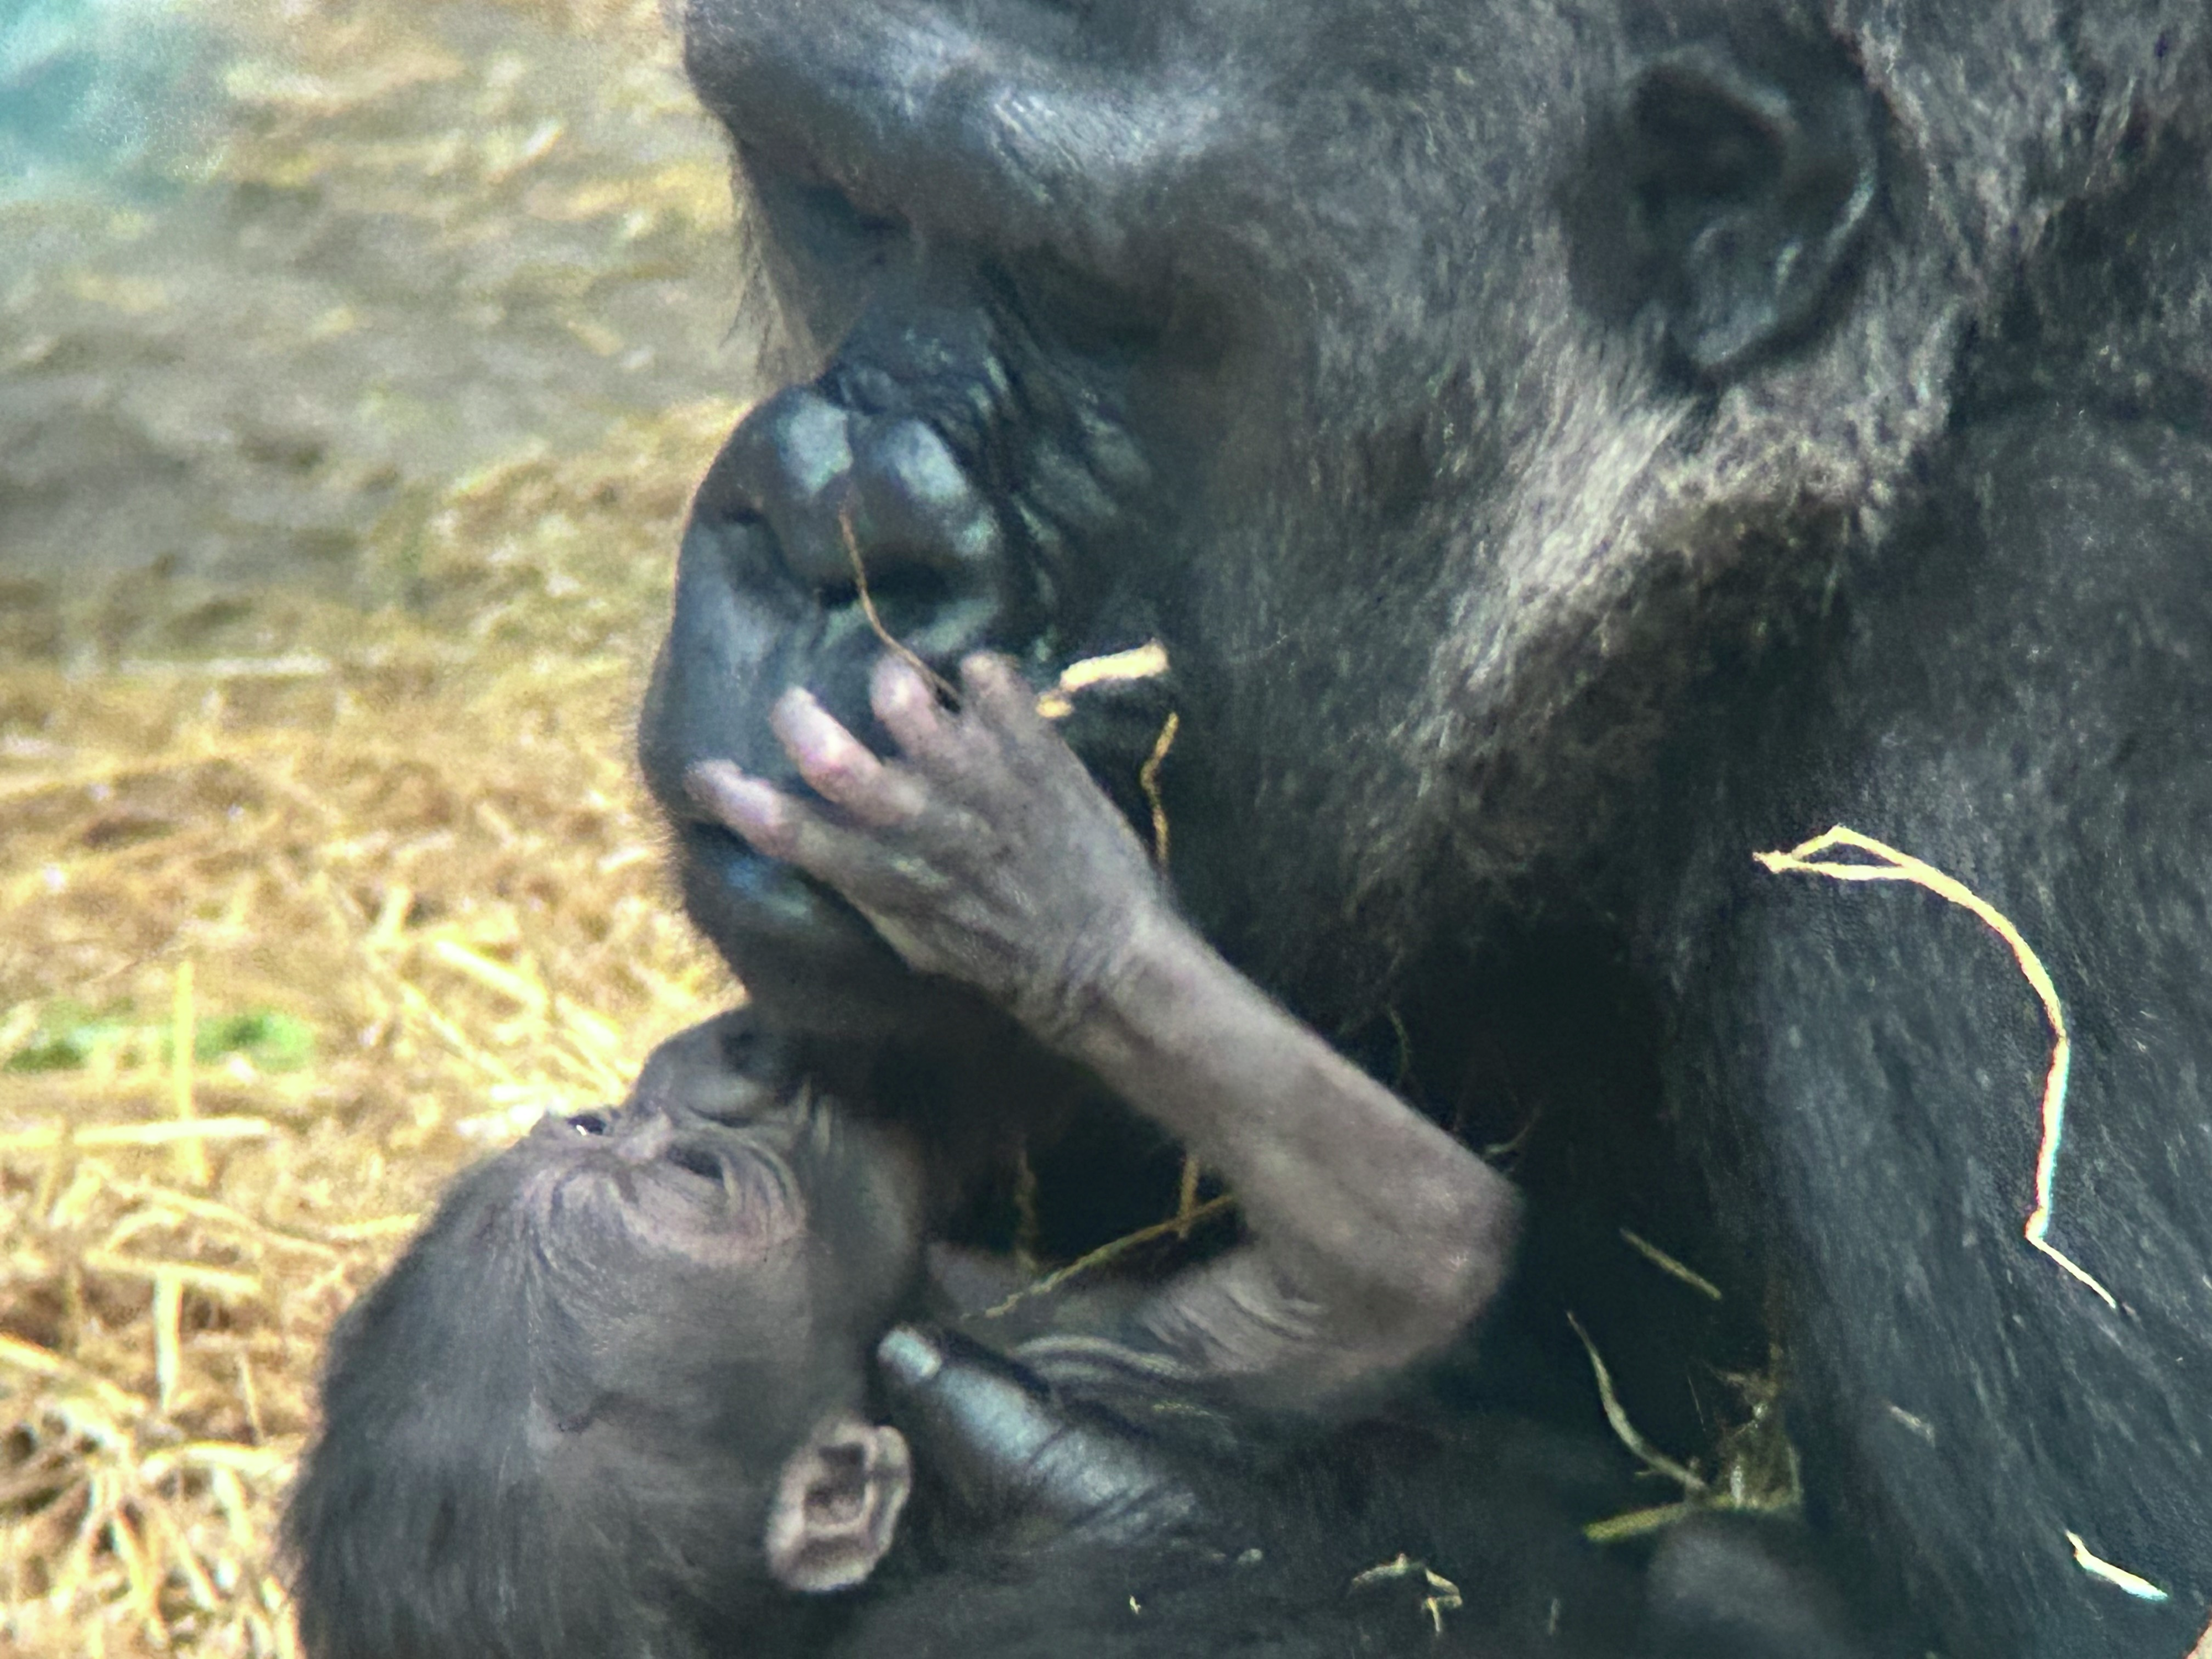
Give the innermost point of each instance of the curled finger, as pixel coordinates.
(991, 684)
(877, 875)
(746, 806)
(907, 704)
(839, 766)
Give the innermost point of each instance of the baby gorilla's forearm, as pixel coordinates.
(1376, 1237)
(985, 852)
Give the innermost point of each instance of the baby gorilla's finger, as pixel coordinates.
(990, 683)
(742, 804)
(907, 704)
(840, 767)
(851, 860)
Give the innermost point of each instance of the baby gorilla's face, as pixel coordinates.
(730, 1226)
(614, 1383)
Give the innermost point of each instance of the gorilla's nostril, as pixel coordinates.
(792, 463)
(830, 481)
(914, 501)
(803, 438)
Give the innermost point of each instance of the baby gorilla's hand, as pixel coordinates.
(982, 852)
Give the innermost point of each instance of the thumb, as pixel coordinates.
(996, 1436)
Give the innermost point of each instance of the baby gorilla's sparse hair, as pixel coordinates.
(537, 1443)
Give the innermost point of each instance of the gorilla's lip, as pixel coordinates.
(792, 629)
(773, 892)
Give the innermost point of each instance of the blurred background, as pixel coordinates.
(272, 278)
(356, 363)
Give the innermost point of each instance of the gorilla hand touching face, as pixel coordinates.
(983, 852)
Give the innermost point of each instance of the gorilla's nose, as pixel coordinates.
(850, 497)
(812, 496)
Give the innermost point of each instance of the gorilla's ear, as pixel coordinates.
(1750, 185)
(837, 1504)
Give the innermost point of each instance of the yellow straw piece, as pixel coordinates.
(1147, 661)
(2097, 1567)
(1112, 1250)
(382, 1226)
(193, 1275)
(1804, 860)
(1638, 1524)
(168, 1309)
(495, 977)
(208, 1209)
(254, 1463)
(1148, 779)
(47, 1137)
(16, 1354)
(191, 1154)
(1442, 1597)
(1667, 1264)
(1649, 1455)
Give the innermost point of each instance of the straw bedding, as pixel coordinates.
(399, 881)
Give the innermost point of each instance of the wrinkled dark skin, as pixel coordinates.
(980, 851)
(1565, 450)
(586, 1370)
(617, 1393)
(620, 1383)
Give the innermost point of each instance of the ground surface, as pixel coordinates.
(356, 362)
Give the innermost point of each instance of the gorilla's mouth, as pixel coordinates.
(841, 518)
(956, 479)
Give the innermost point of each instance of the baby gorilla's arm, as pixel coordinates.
(983, 851)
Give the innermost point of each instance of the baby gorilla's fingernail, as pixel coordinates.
(744, 804)
(804, 724)
(898, 685)
(909, 1356)
(990, 675)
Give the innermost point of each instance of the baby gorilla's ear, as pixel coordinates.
(837, 1504)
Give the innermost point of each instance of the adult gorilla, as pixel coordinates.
(1566, 448)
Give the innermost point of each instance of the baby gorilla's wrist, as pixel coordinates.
(1103, 1006)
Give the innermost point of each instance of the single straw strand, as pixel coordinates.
(191, 1155)
(1805, 859)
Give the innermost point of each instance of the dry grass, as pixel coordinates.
(416, 840)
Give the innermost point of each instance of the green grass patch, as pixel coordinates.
(71, 1036)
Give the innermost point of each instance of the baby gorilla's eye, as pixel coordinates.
(591, 1124)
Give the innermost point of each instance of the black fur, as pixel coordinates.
(1555, 479)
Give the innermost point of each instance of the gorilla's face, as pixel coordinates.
(1100, 363)
(574, 1407)
(1315, 339)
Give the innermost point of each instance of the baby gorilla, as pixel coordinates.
(614, 1401)
(616, 1398)
(622, 1350)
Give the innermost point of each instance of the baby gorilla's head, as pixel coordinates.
(608, 1401)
